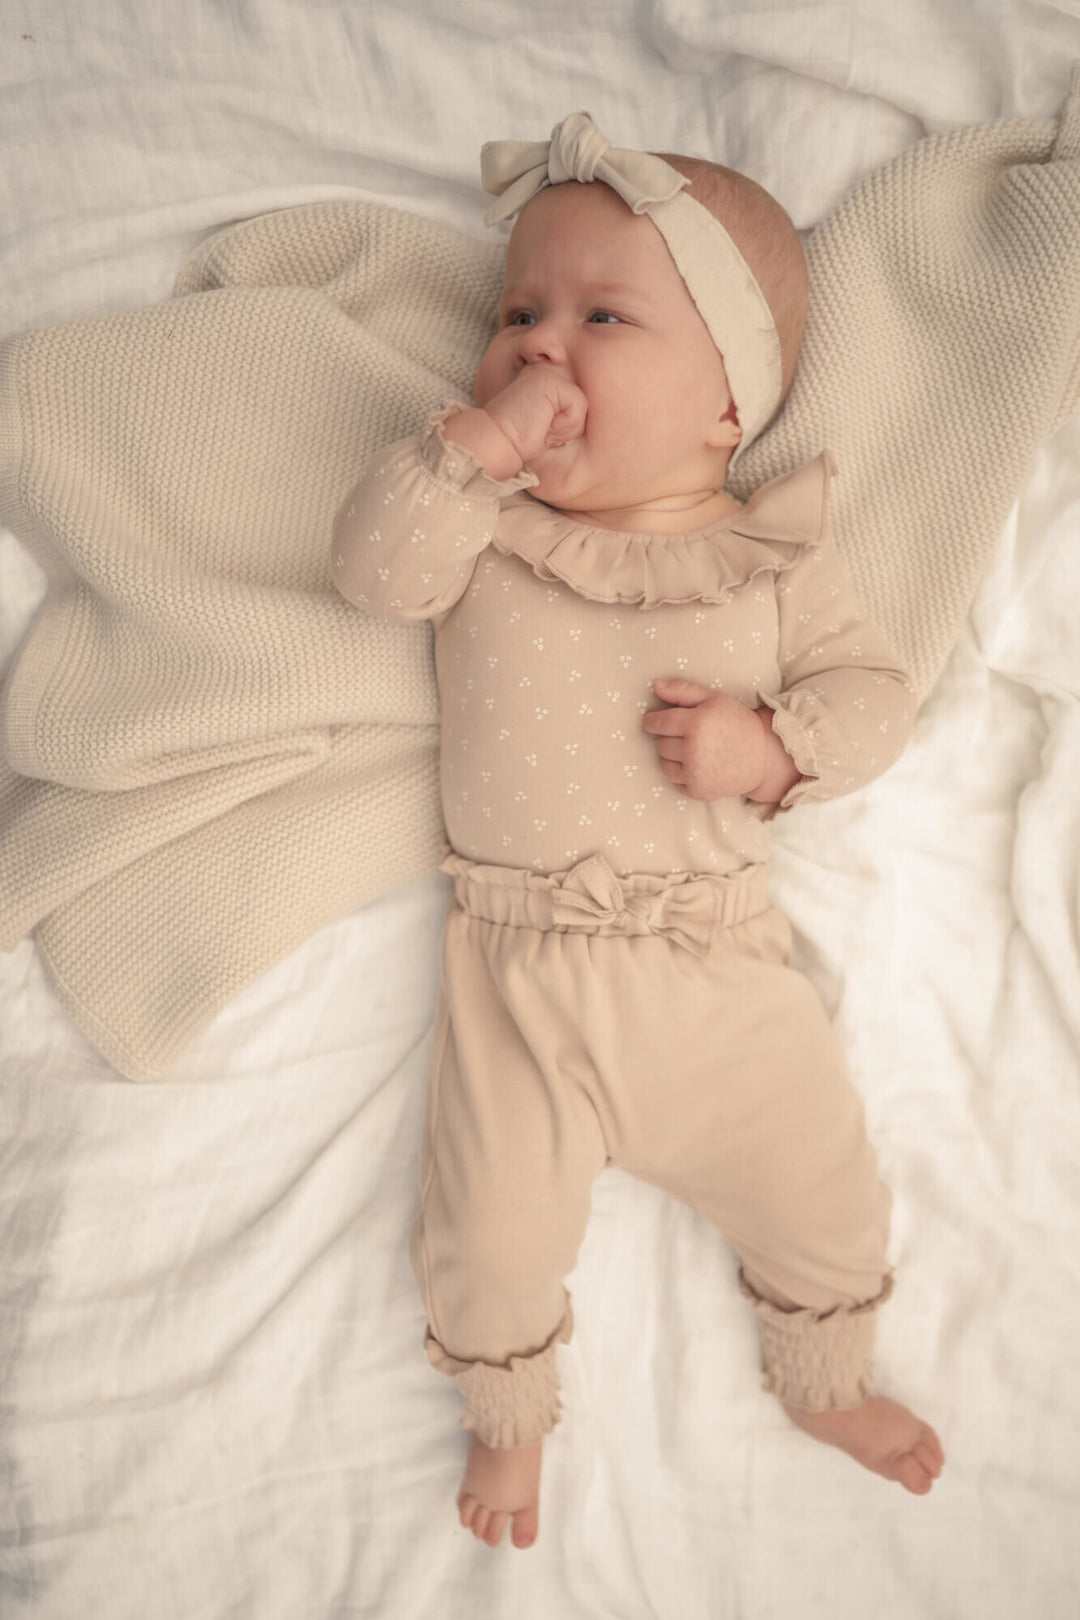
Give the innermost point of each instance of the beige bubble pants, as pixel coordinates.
(652, 1023)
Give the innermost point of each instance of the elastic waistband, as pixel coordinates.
(589, 898)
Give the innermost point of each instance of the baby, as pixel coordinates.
(636, 674)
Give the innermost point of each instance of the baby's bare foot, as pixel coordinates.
(882, 1435)
(500, 1484)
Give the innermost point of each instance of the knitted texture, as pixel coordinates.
(820, 1361)
(942, 347)
(511, 1405)
(206, 754)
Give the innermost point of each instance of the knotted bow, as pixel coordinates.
(514, 171)
(592, 891)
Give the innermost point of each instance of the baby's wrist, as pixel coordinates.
(475, 430)
(781, 772)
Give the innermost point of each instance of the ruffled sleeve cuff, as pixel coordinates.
(841, 735)
(406, 538)
(798, 738)
(459, 469)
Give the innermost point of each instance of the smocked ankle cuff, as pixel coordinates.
(511, 1405)
(819, 1360)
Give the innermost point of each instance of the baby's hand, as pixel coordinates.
(711, 745)
(539, 410)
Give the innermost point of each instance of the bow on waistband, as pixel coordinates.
(592, 890)
(514, 171)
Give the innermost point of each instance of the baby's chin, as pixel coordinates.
(554, 468)
(559, 494)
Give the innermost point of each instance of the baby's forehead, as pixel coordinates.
(576, 208)
(595, 233)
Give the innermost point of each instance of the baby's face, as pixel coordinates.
(592, 289)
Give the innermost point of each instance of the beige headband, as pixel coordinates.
(717, 276)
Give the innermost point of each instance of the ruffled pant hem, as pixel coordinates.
(515, 1404)
(818, 1360)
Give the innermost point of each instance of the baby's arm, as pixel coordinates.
(407, 535)
(846, 704)
(841, 717)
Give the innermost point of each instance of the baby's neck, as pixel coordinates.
(686, 517)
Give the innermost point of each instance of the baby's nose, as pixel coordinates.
(543, 342)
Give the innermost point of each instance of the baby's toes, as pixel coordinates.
(930, 1455)
(467, 1506)
(480, 1522)
(526, 1524)
(495, 1526)
(911, 1473)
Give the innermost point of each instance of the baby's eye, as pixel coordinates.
(513, 318)
(604, 315)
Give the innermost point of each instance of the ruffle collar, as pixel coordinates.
(767, 534)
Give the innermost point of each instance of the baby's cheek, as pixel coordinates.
(488, 378)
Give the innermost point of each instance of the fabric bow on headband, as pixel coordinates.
(515, 171)
(717, 276)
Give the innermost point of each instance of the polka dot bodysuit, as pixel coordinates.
(549, 634)
(615, 985)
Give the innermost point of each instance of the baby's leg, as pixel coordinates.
(757, 1127)
(812, 1242)
(511, 1149)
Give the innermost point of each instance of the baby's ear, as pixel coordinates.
(724, 434)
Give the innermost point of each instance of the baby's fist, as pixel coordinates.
(539, 410)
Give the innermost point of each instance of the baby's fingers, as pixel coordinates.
(567, 423)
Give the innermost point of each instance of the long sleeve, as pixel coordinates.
(407, 536)
(846, 704)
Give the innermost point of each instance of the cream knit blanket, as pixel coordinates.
(206, 754)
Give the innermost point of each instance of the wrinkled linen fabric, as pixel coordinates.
(216, 1400)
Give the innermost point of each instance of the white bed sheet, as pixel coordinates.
(216, 1402)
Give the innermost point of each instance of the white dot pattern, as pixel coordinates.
(543, 688)
(560, 782)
